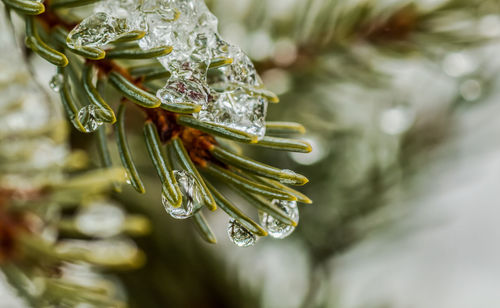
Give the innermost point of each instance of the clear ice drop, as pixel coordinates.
(240, 235)
(89, 118)
(56, 82)
(273, 226)
(191, 196)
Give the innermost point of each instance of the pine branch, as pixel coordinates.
(166, 124)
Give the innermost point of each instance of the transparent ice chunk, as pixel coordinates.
(237, 109)
(191, 29)
(240, 235)
(89, 117)
(191, 196)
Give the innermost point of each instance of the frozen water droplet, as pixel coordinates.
(191, 196)
(236, 109)
(181, 90)
(89, 118)
(240, 235)
(276, 228)
(56, 82)
(100, 220)
(97, 30)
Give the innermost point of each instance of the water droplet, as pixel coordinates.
(240, 235)
(56, 82)
(89, 118)
(191, 196)
(100, 220)
(276, 228)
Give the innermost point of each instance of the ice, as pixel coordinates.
(229, 97)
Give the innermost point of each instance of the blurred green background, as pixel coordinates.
(400, 100)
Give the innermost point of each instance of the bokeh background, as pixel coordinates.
(400, 100)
